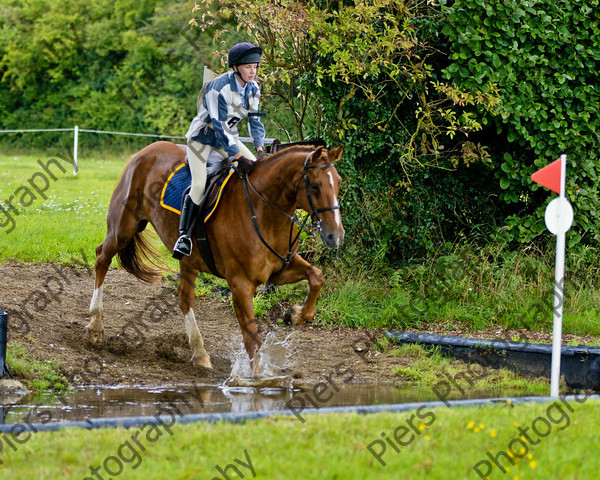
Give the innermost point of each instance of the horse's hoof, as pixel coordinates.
(295, 315)
(203, 362)
(94, 336)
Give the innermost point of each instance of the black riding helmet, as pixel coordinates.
(243, 53)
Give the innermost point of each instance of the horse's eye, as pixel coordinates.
(315, 187)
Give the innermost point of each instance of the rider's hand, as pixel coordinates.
(245, 165)
(261, 153)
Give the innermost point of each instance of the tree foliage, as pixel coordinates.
(373, 47)
(133, 66)
(545, 58)
(369, 73)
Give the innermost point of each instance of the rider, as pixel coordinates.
(228, 99)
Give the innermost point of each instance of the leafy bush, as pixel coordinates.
(544, 56)
(414, 181)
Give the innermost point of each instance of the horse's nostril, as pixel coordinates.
(332, 240)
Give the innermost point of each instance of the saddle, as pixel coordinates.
(218, 172)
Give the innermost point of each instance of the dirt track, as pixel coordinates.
(145, 341)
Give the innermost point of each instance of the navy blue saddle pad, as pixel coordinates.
(181, 179)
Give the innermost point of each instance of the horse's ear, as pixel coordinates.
(335, 154)
(316, 155)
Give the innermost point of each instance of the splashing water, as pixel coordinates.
(274, 357)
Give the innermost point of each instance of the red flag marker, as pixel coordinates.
(549, 176)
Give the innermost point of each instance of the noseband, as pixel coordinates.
(294, 220)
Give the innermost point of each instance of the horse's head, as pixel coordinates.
(320, 195)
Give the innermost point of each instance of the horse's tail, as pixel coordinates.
(134, 257)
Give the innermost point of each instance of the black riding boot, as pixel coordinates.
(189, 211)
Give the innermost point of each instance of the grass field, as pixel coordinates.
(544, 441)
(427, 366)
(59, 213)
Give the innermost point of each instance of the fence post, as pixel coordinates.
(3, 329)
(76, 132)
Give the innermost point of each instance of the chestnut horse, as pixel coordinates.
(253, 233)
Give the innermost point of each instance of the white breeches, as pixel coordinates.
(198, 154)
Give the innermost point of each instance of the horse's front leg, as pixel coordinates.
(242, 291)
(187, 296)
(299, 269)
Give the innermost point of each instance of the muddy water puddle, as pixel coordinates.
(241, 392)
(108, 402)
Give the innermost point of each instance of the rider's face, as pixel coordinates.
(247, 71)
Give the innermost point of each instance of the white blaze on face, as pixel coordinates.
(336, 212)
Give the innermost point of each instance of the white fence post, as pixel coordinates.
(76, 141)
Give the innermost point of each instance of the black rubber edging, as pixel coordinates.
(241, 417)
(580, 365)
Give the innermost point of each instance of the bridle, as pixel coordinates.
(303, 226)
(314, 211)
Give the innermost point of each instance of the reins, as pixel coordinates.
(293, 219)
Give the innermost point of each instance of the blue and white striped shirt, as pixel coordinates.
(222, 110)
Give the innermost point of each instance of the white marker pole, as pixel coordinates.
(75, 145)
(559, 287)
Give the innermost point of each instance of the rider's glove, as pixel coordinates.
(245, 165)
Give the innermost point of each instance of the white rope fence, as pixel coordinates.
(76, 131)
(40, 130)
(125, 133)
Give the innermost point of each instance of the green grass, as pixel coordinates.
(430, 366)
(67, 225)
(38, 375)
(470, 288)
(71, 217)
(449, 442)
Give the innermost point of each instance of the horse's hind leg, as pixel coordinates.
(187, 296)
(299, 269)
(117, 238)
(95, 329)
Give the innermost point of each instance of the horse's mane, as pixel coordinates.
(274, 157)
